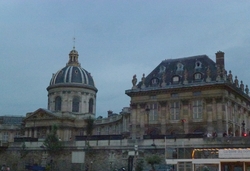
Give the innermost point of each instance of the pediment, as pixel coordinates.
(41, 114)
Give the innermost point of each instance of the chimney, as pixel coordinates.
(220, 59)
(110, 112)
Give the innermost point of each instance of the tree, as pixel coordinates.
(89, 128)
(152, 160)
(139, 166)
(205, 168)
(52, 143)
(23, 151)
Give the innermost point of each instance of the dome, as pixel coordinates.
(72, 75)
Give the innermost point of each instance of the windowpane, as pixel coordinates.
(174, 111)
(75, 104)
(197, 76)
(176, 79)
(197, 109)
(153, 115)
(58, 103)
(91, 103)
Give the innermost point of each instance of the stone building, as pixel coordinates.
(192, 105)
(189, 95)
(184, 95)
(71, 99)
(10, 127)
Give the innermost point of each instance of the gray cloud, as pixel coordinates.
(115, 40)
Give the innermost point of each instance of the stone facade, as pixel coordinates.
(189, 95)
(189, 104)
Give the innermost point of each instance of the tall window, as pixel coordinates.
(124, 129)
(197, 109)
(75, 104)
(98, 131)
(153, 115)
(107, 129)
(174, 110)
(234, 113)
(118, 129)
(5, 137)
(81, 132)
(17, 134)
(154, 82)
(58, 103)
(91, 103)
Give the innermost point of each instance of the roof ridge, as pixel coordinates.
(185, 58)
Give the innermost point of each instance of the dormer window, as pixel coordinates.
(197, 76)
(154, 82)
(198, 64)
(179, 67)
(162, 69)
(176, 79)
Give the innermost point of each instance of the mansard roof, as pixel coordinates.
(180, 67)
(188, 72)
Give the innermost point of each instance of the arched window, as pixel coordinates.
(179, 66)
(198, 64)
(75, 104)
(154, 82)
(176, 79)
(58, 103)
(91, 105)
(197, 76)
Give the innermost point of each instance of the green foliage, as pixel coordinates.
(205, 168)
(139, 166)
(23, 151)
(89, 126)
(152, 160)
(48, 168)
(89, 130)
(52, 143)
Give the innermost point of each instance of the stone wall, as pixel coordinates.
(95, 159)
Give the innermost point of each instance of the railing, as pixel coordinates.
(109, 119)
(175, 136)
(25, 139)
(99, 137)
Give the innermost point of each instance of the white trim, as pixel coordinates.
(205, 161)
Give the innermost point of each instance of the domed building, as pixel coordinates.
(71, 99)
(72, 89)
(190, 111)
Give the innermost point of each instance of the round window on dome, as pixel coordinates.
(76, 71)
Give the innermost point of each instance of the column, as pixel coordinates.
(162, 116)
(142, 118)
(35, 132)
(209, 114)
(26, 134)
(133, 120)
(219, 107)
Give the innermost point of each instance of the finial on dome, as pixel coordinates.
(73, 56)
(74, 41)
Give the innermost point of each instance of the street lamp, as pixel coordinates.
(91, 166)
(135, 157)
(110, 165)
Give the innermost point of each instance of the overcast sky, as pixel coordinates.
(115, 39)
